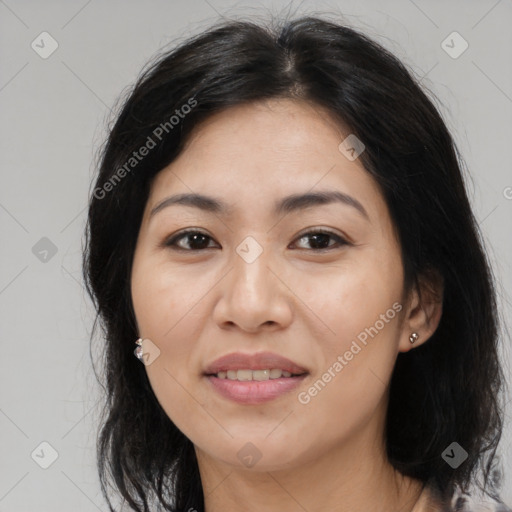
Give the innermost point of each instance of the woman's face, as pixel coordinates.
(253, 281)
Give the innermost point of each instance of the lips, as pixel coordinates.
(257, 361)
(254, 392)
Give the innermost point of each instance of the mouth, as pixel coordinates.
(253, 379)
(257, 366)
(254, 392)
(244, 375)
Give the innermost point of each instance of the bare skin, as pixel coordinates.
(197, 304)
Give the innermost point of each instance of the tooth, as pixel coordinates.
(258, 375)
(244, 374)
(275, 373)
(261, 374)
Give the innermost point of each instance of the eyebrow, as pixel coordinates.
(283, 206)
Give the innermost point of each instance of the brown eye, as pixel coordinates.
(320, 240)
(196, 241)
(193, 240)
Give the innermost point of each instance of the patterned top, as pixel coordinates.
(471, 501)
(475, 502)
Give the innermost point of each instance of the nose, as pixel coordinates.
(253, 297)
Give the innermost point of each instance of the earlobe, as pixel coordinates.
(424, 312)
(413, 337)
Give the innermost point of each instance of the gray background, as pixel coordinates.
(53, 118)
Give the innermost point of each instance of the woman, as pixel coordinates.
(280, 224)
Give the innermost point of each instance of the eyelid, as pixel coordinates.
(342, 240)
(170, 242)
(319, 229)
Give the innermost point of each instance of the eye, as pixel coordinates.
(195, 238)
(321, 237)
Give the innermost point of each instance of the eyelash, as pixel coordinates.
(171, 243)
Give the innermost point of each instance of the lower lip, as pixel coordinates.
(253, 391)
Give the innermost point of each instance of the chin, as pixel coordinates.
(258, 454)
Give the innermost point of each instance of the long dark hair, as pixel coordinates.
(446, 390)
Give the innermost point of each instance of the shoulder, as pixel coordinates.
(475, 502)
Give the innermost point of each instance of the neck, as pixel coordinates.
(355, 475)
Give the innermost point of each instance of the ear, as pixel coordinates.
(424, 310)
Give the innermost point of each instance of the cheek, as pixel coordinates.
(361, 307)
(165, 307)
(355, 300)
(163, 299)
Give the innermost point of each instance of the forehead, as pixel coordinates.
(257, 153)
(272, 126)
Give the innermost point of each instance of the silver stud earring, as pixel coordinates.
(413, 337)
(138, 350)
